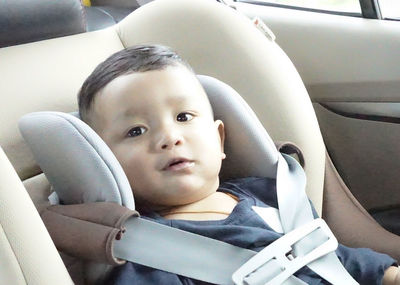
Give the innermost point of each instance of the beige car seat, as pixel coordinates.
(217, 41)
(27, 253)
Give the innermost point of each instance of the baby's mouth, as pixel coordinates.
(177, 164)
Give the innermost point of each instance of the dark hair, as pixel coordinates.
(139, 58)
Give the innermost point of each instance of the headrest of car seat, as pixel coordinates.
(26, 21)
(81, 168)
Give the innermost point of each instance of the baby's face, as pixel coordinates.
(160, 127)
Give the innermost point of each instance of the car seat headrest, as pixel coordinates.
(24, 21)
(81, 168)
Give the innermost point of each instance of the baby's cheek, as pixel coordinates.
(132, 172)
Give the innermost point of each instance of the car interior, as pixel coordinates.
(326, 82)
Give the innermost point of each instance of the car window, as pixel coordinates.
(341, 6)
(390, 9)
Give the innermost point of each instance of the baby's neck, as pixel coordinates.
(216, 206)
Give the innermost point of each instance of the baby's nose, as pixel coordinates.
(169, 145)
(169, 141)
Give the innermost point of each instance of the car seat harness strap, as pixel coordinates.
(183, 253)
(307, 241)
(295, 211)
(152, 244)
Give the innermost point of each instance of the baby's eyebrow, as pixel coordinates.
(186, 101)
(179, 99)
(123, 116)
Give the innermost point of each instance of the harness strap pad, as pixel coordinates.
(87, 231)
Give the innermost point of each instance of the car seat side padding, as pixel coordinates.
(26, 232)
(45, 75)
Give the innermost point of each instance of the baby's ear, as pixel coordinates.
(221, 131)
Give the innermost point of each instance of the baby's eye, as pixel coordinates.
(183, 117)
(136, 131)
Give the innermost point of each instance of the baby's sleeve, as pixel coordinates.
(365, 265)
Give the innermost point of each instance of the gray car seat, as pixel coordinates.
(82, 169)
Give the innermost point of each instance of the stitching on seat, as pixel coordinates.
(13, 251)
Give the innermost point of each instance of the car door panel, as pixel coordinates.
(350, 66)
(364, 152)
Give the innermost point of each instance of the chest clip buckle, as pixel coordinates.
(276, 263)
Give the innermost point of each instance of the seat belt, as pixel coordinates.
(306, 242)
(296, 211)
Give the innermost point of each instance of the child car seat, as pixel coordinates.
(82, 169)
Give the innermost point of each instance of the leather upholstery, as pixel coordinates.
(27, 254)
(100, 17)
(25, 21)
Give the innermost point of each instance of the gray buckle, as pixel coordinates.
(279, 253)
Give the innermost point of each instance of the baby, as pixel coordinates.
(146, 103)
